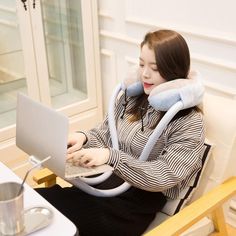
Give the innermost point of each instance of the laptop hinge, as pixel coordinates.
(36, 161)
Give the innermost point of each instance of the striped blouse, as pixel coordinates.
(172, 163)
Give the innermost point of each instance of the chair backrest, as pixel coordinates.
(174, 206)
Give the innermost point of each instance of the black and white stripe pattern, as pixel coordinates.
(173, 161)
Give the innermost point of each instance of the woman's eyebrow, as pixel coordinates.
(151, 63)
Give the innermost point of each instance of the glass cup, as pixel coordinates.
(11, 208)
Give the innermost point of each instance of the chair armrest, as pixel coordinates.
(45, 176)
(209, 204)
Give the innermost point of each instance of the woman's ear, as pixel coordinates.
(132, 83)
(189, 91)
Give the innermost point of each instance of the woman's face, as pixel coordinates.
(148, 69)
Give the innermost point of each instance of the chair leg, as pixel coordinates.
(219, 222)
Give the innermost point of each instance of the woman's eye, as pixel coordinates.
(141, 65)
(155, 69)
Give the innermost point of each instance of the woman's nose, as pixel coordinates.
(145, 73)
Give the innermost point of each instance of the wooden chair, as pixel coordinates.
(209, 205)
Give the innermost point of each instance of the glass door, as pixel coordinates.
(48, 51)
(12, 68)
(62, 30)
(18, 72)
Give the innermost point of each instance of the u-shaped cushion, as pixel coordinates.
(132, 83)
(190, 91)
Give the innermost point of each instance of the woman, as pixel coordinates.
(175, 158)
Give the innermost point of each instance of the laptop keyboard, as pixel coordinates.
(72, 171)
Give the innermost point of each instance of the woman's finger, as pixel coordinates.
(85, 159)
(73, 148)
(90, 163)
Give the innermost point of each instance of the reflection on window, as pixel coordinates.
(65, 51)
(12, 78)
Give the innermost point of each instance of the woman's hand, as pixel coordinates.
(75, 142)
(89, 157)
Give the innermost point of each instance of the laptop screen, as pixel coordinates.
(42, 132)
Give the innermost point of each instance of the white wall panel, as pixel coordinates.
(109, 76)
(214, 17)
(218, 75)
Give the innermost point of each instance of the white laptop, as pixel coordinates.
(42, 132)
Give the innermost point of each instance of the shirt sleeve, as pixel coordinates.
(180, 158)
(99, 136)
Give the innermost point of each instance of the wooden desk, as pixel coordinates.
(60, 225)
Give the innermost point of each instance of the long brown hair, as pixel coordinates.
(172, 60)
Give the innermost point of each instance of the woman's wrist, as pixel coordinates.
(85, 136)
(114, 158)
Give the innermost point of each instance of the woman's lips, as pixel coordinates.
(147, 85)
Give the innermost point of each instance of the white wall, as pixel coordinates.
(209, 29)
